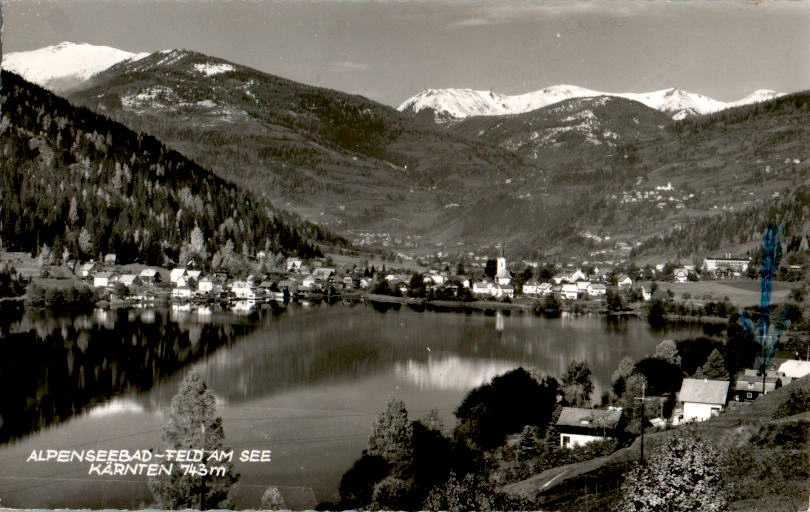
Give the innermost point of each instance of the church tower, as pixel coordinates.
(502, 276)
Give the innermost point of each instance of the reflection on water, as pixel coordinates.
(314, 372)
(451, 372)
(54, 367)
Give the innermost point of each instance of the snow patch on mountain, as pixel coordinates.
(65, 65)
(210, 69)
(455, 104)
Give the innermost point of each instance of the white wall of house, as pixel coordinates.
(700, 412)
(101, 282)
(573, 440)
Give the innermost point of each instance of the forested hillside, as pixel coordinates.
(81, 185)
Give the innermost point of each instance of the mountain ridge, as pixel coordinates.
(450, 105)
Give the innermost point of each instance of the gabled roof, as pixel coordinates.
(704, 391)
(589, 418)
(148, 272)
(754, 383)
(597, 286)
(104, 275)
(177, 273)
(127, 278)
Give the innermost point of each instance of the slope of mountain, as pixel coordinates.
(596, 126)
(449, 105)
(83, 185)
(66, 65)
(337, 159)
(593, 176)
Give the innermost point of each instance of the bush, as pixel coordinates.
(797, 402)
(789, 435)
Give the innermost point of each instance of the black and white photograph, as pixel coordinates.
(406, 255)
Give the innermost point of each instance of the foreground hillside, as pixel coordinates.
(765, 459)
(76, 184)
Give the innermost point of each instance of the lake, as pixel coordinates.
(304, 381)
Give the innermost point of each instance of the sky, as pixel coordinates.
(389, 51)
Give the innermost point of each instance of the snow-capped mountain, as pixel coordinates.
(65, 65)
(455, 104)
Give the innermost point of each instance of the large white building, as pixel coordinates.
(735, 265)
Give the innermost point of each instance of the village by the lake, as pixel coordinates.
(439, 256)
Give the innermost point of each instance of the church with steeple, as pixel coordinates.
(502, 276)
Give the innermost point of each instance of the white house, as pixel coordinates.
(87, 269)
(597, 290)
(205, 285)
(702, 398)
(148, 276)
(546, 289)
(578, 426)
(582, 287)
(128, 279)
(483, 288)
(243, 290)
(532, 287)
(193, 274)
(504, 290)
(794, 369)
(646, 294)
(569, 291)
(624, 281)
(176, 274)
(103, 279)
(294, 264)
(681, 275)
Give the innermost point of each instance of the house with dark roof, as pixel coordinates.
(750, 385)
(702, 398)
(578, 426)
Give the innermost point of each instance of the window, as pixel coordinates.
(749, 395)
(566, 440)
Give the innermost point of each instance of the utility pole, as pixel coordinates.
(643, 400)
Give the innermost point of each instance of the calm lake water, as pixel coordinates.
(303, 381)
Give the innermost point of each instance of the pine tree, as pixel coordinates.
(529, 444)
(392, 434)
(714, 367)
(193, 424)
(686, 475)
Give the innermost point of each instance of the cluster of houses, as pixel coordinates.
(698, 399)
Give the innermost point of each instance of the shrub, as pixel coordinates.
(797, 402)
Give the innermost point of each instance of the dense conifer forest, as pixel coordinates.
(79, 185)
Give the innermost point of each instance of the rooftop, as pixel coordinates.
(704, 391)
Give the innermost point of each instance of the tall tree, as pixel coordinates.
(193, 424)
(392, 435)
(491, 268)
(577, 385)
(668, 351)
(715, 367)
